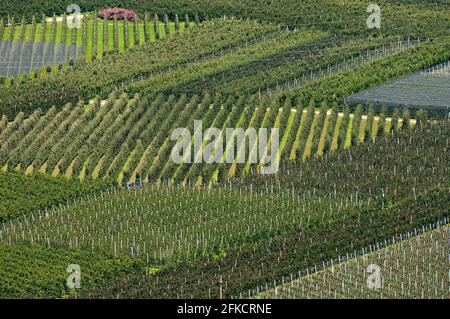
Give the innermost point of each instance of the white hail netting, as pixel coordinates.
(18, 57)
(426, 88)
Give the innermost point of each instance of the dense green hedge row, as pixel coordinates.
(22, 194)
(33, 271)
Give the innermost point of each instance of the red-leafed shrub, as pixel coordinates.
(119, 13)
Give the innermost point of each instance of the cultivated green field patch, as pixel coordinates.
(22, 194)
(34, 271)
(412, 269)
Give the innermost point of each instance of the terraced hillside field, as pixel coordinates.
(130, 139)
(190, 237)
(262, 260)
(116, 71)
(32, 271)
(425, 88)
(413, 268)
(217, 150)
(233, 61)
(233, 241)
(21, 194)
(405, 18)
(60, 40)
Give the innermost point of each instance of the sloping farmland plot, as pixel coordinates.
(413, 269)
(428, 88)
(20, 57)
